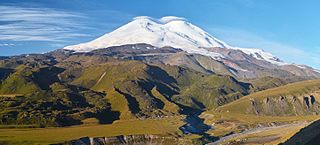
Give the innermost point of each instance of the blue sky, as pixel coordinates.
(289, 29)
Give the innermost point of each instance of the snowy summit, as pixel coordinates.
(170, 31)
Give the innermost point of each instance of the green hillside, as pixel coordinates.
(179, 86)
(73, 90)
(20, 82)
(299, 98)
(35, 96)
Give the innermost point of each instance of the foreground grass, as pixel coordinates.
(271, 136)
(258, 119)
(225, 123)
(18, 126)
(229, 123)
(57, 135)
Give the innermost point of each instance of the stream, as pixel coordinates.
(194, 125)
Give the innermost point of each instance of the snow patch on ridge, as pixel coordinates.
(261, 55)
(300, 66)
(306, 67)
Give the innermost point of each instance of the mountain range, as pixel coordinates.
(178, 33)
(163, 76)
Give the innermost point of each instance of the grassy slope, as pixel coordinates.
(126, 126)
(19, 82)
(200, 90)
(55, 135)
(226, 123)
(168, 106)
(233, 117)
(115, 73)
(210, 91)
(299, 88)
(265, 83)
(270, 136)
(220, 90)
(124, 76)
(195, 89)
(46, 102)
(119, 103)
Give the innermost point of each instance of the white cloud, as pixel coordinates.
(39, 24)
(7, 44)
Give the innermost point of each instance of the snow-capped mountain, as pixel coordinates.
(168, 31)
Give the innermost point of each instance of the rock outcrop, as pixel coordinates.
(130, 140)
(285, 105)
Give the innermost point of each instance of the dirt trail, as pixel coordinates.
(101, 77)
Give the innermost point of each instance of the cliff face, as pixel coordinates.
(286, 105)
(130, 140)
